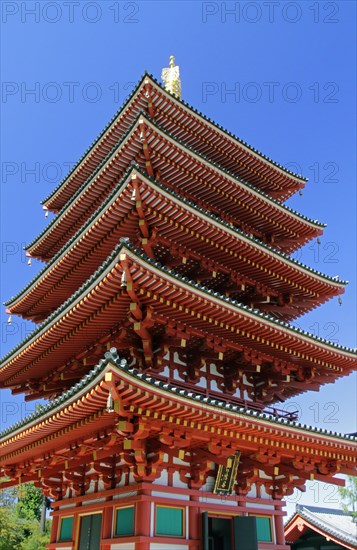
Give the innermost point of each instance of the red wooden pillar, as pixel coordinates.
(142, 521)
(194, 523)
(54, 529)
(76, 525)
(279, 527)
(107, 526)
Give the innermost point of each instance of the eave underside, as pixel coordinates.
(147, 419)
(140, 306)
(190, 127)
(179, 168)
(303, 523)
(180, 236)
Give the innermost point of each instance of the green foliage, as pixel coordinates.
(10, 534)
(30, 502)
(20, 512)
(36, 540)
(349, 496)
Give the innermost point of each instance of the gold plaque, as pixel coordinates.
(226, 476)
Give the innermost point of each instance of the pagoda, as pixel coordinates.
(164, 343)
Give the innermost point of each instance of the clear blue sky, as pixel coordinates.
(290, 68)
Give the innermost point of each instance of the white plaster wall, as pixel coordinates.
(94, 500)
(92, 487)
(263, 475)
(152, 519)
(268, 507)
(159, 546)
(210, 481)
(177, 496)
(125, 495)
(122, 481)
(73, 505)
(207, 500)
(123, 546)
(273, 522)
(252, 492)
(263, 493)
(162, 480)
(179, 461)
(177, 481)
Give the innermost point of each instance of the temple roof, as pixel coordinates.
(217, 188)
(82, 412)
(108, 224)
(112, 357)
(199, 131)
(102, 300)
(339, 526)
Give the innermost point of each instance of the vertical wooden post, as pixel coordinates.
(107, 526)
(76, 527)
(54, 529)
(194, 527)
(142, 521)
(279, 527)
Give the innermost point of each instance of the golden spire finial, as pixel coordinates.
(171, 78)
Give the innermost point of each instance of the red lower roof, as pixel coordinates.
(79, 429)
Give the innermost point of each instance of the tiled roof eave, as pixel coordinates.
(313, 521)
(75, 237)
(232, 176)
(65, 180)
(103, 269)
(187, 106)
(112, 359)
(229, 134)
(79, 191)
(264, 196)
(336, 532)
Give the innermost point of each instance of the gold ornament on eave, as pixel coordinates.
(171, 78)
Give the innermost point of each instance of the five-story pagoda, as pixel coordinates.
(163, 342)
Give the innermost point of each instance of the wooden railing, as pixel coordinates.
(229, 399)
